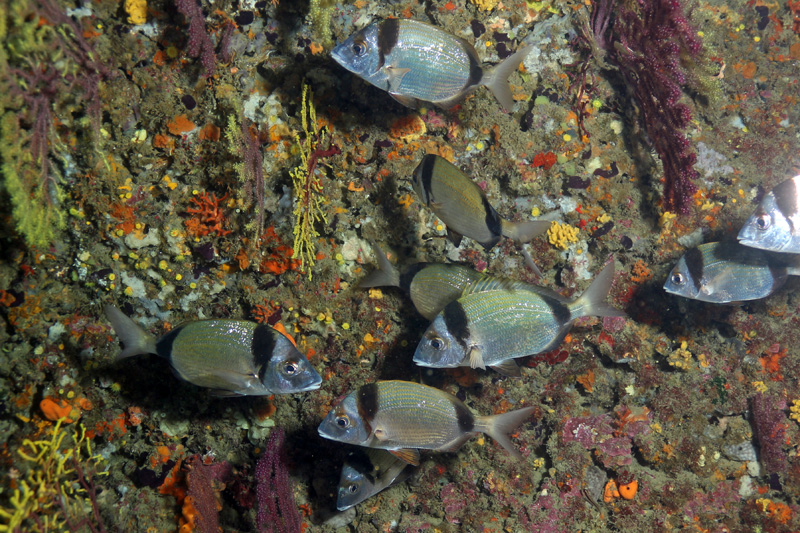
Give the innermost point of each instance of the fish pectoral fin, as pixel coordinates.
(408, 455)
(454, 237)
(508, 368)
(407, 101)
(395, 77)
(476, 358)
(380, 435)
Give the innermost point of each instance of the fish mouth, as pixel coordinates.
(337, 56)
(312, 386)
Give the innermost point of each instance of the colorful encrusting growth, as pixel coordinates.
(166, 160)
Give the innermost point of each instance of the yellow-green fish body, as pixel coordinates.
(230, 357)
(463, 206)
(431, 286)
(728, 272)
(403, 417)
(366, 472)
(495, 321)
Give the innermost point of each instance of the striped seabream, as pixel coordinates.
(495, 322)
(366, 472)
(417, 62)
(464, 208)
(404, 417)
(727, 272)
(230, 357)
(775, 225)
(431, 286)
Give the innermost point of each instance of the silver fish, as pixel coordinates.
(495, 322)
(230, 357)
(775, 225)
(417, 62)
(432, 286)
(366, 472)
(463, 207)
(404, 417)
(726, 272)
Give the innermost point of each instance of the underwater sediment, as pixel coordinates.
(188, 160)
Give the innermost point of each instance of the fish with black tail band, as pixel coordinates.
(727, 272)
(417, 62)
(366, 472)
(775, 225)
(404, 417)
(230, 357)
(463, 206)
(495, 322)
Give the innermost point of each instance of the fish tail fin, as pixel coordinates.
(593, 301)
(523, 232)
(496, 78)
(135, 340)
(386, 275)
(499, 426)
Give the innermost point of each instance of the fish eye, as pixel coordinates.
(437, 343)
(353, 488)
(677, 278)
(359, 49)
(763, 221)
(290, 369)
(343, 421)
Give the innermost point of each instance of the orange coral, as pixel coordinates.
(629, 490)
(210, 132)
(408, 128)
(208, 216)
(277, 259)
(56, 409)
(180, 125)
(587, 380)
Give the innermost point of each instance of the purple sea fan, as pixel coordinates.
(650, 42)
(277, 511)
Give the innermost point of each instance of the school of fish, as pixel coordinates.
(767, 253)
(476, 320)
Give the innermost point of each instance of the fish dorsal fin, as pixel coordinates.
(408, 455)
(508, 368)
(476, 358)
(490, 283)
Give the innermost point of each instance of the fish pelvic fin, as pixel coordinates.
(496, 78)
(499, 426)
(593, 301)
(476, 358)
(386, 275)
(526, 257)
(522, 232)
(135, 340)
(407, 455)
(508, 368)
